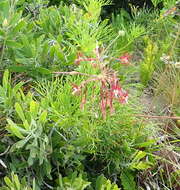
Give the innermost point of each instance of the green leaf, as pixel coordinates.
(48, 169)
(8, 182)
(6, 79)
(26, 125)
(141, 165)
(105, 184)
(59, 52)
(34, 184)
(34, 108)
(127, 180)
(19, 111)
(18, 68)
(16, 18)
(145, 144)
(33, 152)
(19, 26)
(30, 161)
(13, 44)
(27, 48)
(4, 8)
(43, 116)
(14, 129)
(3, 93)
(2, 32)
(156, 2)
(18, 87)
(20, 143)
(99, 182)
(17, 183)
(139, 155)
(43, 71)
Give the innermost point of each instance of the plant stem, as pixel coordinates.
(158, 117)
(2, 53)
(7, 149)
(73, 73)
(175, 41)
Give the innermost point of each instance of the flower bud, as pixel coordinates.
(5, 23)
(121, 33)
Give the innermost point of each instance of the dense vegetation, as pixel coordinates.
(89, 100)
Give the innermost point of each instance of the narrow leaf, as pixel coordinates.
(17, 183)
(43, 116)
(19, 111)
(34, 108)
(127, 180)
(8, 182)
(13, 44)
(13, 128)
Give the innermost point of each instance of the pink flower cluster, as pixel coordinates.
(124, 59)
(110, 88)
(111, 91)
(118, 92)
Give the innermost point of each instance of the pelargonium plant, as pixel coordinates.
(110, 88)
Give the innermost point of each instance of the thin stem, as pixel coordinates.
(158, 117)
(113, 41)
(74, 73)
(2, 53)
(3, 153)
(175, 41)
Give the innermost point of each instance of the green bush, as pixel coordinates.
(70, 123)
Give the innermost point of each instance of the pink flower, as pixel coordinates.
(81, 57)
(76, 90)
(118, 92)
(124, 59)
(78, 59)
(124, 97)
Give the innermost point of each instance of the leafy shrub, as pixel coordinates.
(8, 94)
(81, 130)
(51, 39)
(130, 31)
(14, 183)
(73, 182)
(147, 67)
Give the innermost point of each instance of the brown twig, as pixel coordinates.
(159, 117)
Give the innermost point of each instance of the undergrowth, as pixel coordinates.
(72, 108)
